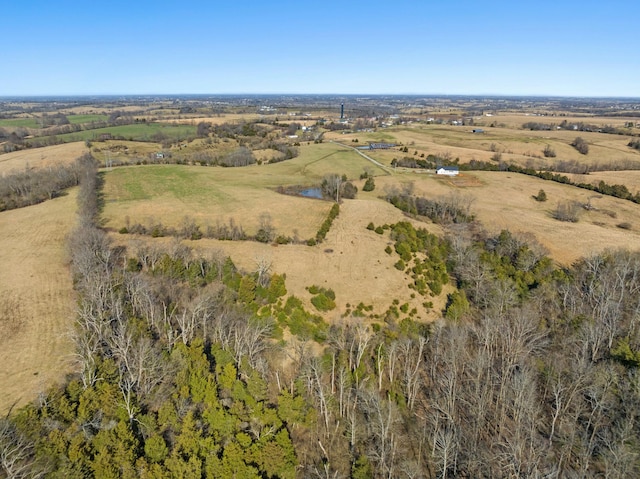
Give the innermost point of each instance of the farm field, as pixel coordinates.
(88, 118)
(41, 157)
(37, 303)
(210, 195)
(503, 200)
(351, 260)
(523, 147)
(139, 131)
(629, 178)
(19, 122)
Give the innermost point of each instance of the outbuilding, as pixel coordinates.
(448, 171)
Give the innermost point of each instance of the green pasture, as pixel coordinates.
(20, 123)
(211, 195)
(135, 132)
(75, 119)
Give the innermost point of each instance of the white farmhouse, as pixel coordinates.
(448, 171)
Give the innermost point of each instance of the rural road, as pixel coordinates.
(377, 163)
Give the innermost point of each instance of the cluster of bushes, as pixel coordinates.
(567, 211)
(335, 187)
(581, 145)
(635, 144)
(518, 258)
(323, 299)
(423, 256)
(370, 183)
(298, 320)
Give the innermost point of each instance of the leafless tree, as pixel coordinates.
(17, 459)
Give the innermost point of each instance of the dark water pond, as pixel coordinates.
(312, 193)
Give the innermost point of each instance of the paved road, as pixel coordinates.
(377, 163)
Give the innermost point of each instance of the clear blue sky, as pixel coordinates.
(563, 48)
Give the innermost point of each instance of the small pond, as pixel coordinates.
(312, 193)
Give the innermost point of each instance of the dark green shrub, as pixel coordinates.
(542, 196)
(323, 303)
(369, 185)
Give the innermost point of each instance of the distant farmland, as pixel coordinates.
(135, 132)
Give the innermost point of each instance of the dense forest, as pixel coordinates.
(188, 367)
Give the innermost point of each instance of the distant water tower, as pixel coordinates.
(342, 111)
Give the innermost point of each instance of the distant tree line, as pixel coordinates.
(577, 126)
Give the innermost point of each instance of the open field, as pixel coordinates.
(73, 119)
(504, 201)
(168, 193)
(41, 157)
(19, 123)
(630, 179)
(351, 260)
(516, 120)
(214, 120)
(139, 131)
(35, 346)
(519, 146)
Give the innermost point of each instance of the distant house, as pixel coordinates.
(448, 171)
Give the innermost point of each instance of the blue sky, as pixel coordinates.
(562, 48)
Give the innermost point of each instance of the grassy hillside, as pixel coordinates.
(36, 299)
(168, 193)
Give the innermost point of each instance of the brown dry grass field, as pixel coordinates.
(516, 120)
(35, 346)
(41, 157)
(523, 147)
(629, 178)
(351, 260)
(504, 201)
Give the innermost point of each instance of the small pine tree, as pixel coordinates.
(542, 196)
(369, 185)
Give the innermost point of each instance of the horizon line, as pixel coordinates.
(337, 94)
